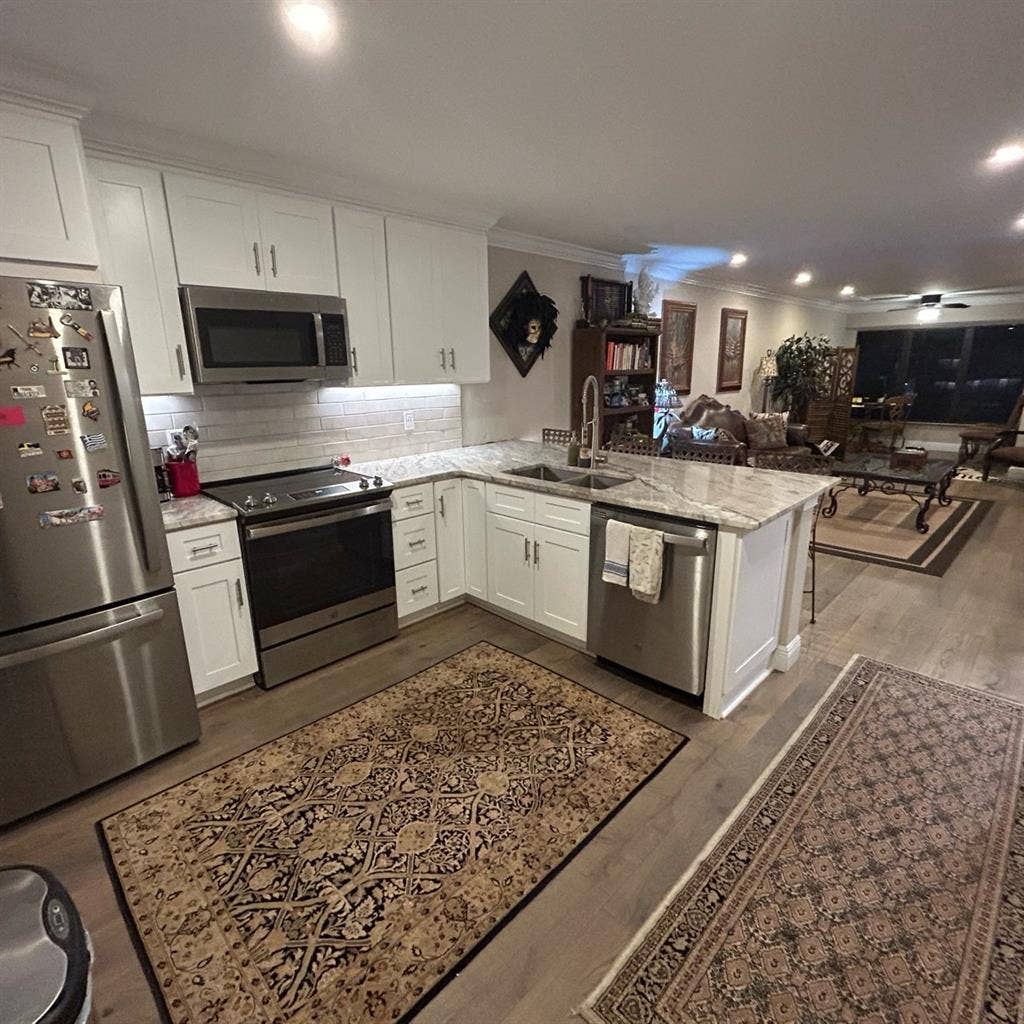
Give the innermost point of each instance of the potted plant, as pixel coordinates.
(803, 361)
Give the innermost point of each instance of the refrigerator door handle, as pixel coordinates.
(105, 634)
(140, 468)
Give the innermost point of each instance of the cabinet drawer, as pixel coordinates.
(412, 501)
(415, 541)
(563, 514)
(203, 545)
(416, 588)
(510, 501)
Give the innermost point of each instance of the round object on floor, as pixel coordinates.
(45, 958)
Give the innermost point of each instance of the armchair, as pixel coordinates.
(1005, 450)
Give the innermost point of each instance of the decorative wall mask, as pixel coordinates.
(524, 322)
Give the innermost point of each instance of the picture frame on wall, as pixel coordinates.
(675, 361)
(605, 301)
(732, 338)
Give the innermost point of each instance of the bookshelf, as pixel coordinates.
(625, 362)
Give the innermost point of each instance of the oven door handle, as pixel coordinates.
(294, 525)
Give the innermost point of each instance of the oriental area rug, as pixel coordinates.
(341, 872)
(880, 528)
(874, 875)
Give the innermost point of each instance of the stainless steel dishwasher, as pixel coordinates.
(667, 641)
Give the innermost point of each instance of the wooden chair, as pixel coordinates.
(981, 435)
(723, 453)
(1003, 450)
(893, 424)
(633, 444)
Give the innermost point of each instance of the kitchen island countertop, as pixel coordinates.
(736, 497)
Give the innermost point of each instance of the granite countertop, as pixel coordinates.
(737, 497)
(183, 513)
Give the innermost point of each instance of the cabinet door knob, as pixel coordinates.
(256, 256)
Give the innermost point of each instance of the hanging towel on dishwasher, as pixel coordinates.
(646, 550)
(616, 553)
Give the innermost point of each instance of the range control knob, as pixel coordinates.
(364, 484)
(249, 502)
(378, 481)
(269, 499)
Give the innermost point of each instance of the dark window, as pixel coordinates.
(956, 374)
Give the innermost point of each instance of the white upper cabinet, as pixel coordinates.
(216, 231)
(298, 238)
(44, 208)
(438, 284)
(136, 253)
(363, 280)
(230, 236)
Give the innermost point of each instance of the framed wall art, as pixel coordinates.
(605, 301)
(675, 363)
(731, 339)
(524, 322)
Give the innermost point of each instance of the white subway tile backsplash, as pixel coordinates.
(263, 428)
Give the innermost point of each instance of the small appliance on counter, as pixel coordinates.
(93, 666)
(180, 462)
(319, 562)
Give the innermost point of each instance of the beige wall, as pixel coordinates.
(511, 406)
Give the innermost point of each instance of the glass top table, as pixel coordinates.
(867, 473)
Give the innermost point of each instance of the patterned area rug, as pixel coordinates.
(874, 876)
(880, 528)
(340, 872)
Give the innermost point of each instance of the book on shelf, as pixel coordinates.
(622, 355)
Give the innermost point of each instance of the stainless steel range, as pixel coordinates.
(320, 565)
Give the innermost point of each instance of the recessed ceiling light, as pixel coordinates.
(804, 277)
(928, 314)
(311, 23)
(737, 259)
(847, 290)
(1005, 156)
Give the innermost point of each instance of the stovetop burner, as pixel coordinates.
(281, 493)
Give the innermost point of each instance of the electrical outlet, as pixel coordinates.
(409, 420)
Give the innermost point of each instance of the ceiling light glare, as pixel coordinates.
(1005, 156)
(804, 277)
(928, 314)
(847, 291)
(1019, 223)
(310, 23)
(737, 259)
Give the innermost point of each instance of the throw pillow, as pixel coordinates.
(704, 433)
(769, 415)
(766, 433)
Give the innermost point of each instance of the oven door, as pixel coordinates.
(313, 571)
(251, 336)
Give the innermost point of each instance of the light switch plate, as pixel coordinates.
(409, 420)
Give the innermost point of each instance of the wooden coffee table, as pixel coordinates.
(867, 473)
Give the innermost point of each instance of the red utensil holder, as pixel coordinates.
(184, 478)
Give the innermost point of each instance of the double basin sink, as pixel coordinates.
(570, 475)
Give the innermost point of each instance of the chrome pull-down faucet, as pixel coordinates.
(590, 430)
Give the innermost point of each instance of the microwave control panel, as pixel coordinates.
(335, 347)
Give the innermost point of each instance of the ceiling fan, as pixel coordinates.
(931, 301)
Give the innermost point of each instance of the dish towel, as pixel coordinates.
(616, 553)
(646, 549)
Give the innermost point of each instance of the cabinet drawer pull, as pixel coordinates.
(238, 593)
(273, 259)
(196, 551)
(417, 543)
(413, 501)
(419, 590)
(256, 256)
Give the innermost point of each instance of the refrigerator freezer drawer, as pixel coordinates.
(90, 698)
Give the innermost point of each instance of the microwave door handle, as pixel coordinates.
(321, 348)
(140, 469)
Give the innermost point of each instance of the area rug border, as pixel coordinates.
(474, 950)
(954, 542)
(806, 728)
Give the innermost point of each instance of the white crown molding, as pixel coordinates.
(535, 245)
(42, 89)
(755, 291)
(114, 138)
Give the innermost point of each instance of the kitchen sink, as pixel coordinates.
(571, 476)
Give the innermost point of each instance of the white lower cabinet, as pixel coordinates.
(451, 558)
(416, 588)
(562, 564)
(510, 574)
(214, 607)
(474, 537)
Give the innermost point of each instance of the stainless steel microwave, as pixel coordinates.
(245, 335)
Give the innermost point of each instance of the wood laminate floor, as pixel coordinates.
(965, 627)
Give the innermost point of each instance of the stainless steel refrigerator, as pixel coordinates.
(94, 677)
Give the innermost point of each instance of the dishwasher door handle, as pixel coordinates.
(690, 545)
